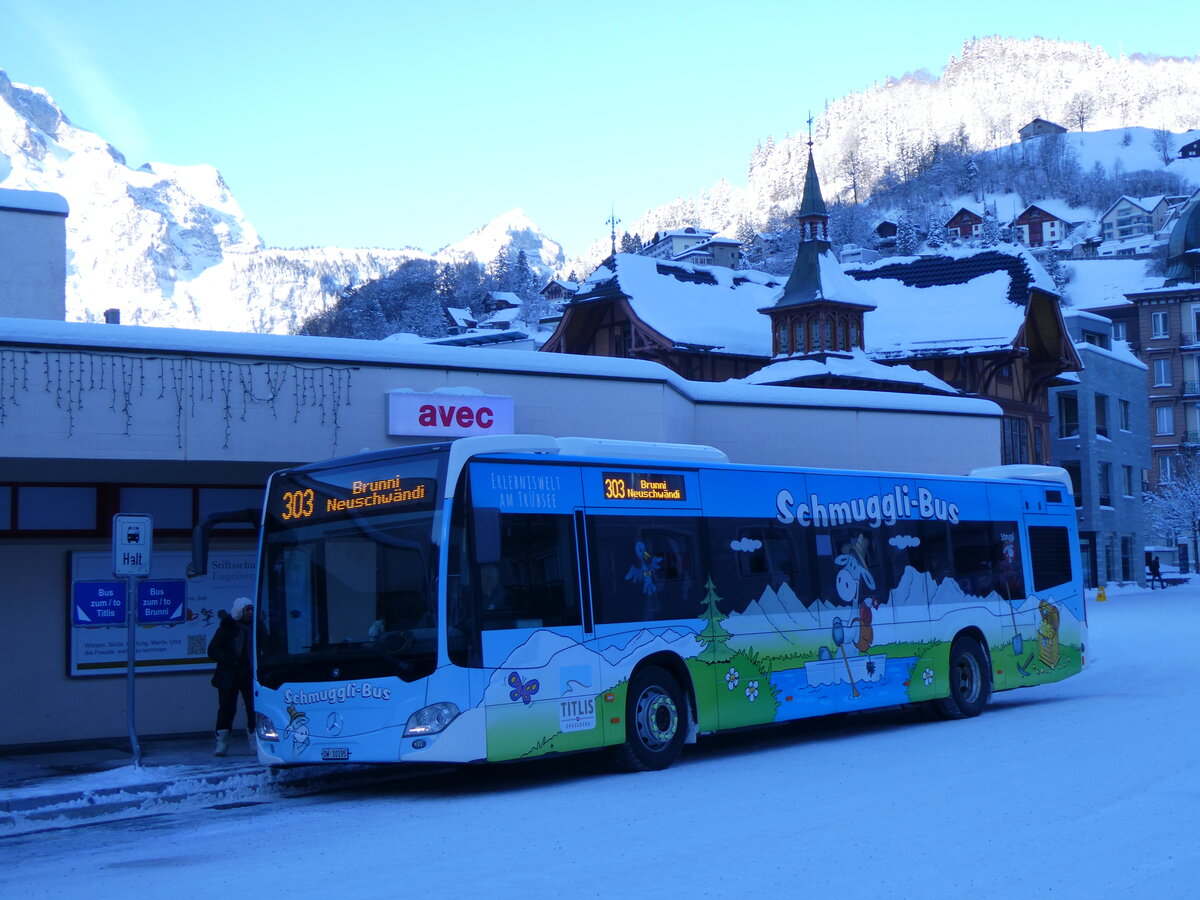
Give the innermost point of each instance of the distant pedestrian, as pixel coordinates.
(1156, 573)
(230, 649)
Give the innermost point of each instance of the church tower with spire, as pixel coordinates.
(821, 310)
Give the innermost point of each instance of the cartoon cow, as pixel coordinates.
(853, 572)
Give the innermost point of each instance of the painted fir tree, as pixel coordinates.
(714, 635)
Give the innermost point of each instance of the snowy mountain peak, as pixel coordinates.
(514, 230)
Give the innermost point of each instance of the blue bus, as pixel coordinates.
(510, 597)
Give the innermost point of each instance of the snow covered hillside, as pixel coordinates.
(977, 103)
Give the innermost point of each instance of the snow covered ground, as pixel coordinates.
(1086, 788)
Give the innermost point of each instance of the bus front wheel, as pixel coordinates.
(656, 721)
(970, 681)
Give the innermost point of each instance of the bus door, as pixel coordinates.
(649, 583)
(540, 681)
(1056, 603)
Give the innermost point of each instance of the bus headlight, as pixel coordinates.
(265, 727)
(431, 719)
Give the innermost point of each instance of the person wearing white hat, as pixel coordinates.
(230, 649)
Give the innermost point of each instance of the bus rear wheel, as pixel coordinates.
(656, 721)
(970, 681)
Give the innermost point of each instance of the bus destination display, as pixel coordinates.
(303, 503)
(643, 486)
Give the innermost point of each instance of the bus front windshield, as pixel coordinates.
(349, 573)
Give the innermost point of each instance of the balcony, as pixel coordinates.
(1188, 338)
(1191, 388)
(1191, 437)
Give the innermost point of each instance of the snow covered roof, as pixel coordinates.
(463, 318)
(43, 333)
(956, 265)
(859, 366)
(1146, 204)
(503, 317)
(707, 246)
(34, 201)
(1060, 210)
(690, 231)
(692, 305)
(975, 316)
(1120, 351)
(968, 301)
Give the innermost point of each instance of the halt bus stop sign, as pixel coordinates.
(132, 535)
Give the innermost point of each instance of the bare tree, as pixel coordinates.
(1081, 108)
(1163, 141)
(853, 167)
(1173, 508)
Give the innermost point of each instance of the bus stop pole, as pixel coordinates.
(131, 665)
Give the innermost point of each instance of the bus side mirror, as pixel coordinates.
(485, 535)
(200, 535)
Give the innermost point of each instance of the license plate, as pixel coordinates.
(328, 753)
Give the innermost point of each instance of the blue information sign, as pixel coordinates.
(98, 603)
(161, 602)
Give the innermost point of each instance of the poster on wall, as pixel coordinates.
(175, 617)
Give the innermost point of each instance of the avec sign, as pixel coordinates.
(451, 415)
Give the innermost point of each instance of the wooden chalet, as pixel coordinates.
(1046, 222)
(1040, 127)
(557, 291)
(699, 321)
(964, 224)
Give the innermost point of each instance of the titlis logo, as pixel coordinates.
(875, 509)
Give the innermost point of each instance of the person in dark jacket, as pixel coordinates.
(1156, 574)
(230, 649)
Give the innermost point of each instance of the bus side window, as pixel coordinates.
(532, 584)
(748, 557)
(974, 559)
(646, 568)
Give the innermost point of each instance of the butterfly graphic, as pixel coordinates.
(522, 690)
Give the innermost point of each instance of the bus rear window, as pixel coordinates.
(1050, 555)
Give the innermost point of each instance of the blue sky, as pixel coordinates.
(386, 124)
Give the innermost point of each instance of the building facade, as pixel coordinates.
(33, 240)
(1099, 436)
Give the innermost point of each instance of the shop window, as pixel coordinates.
(170, 507)
(56, 508)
